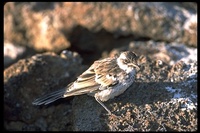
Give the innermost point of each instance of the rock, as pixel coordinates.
(30, 78)
(12, 53)
(41, 123)
(153, 103)
(14, 126)
(87, 114)
(38, 32)
(62, 25)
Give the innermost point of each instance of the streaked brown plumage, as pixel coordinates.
(104, 80)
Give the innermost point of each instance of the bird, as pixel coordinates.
(104, 79)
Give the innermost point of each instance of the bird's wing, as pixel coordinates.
(85, 83)
(101, 74)
(106, 72)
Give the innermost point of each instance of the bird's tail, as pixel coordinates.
(49, 98)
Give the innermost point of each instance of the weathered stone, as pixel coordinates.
(53, 24)
(30, 78)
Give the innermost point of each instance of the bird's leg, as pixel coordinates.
(109, 112)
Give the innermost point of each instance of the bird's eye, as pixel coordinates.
(125, 61)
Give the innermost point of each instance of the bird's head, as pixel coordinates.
(128, 61)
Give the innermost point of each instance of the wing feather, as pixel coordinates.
(85, 83)
(106, 72)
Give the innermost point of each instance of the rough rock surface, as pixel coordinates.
(163, 97)
(54, 23)
(164, 35)
(30, 78)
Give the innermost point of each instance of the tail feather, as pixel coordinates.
(49, 98)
